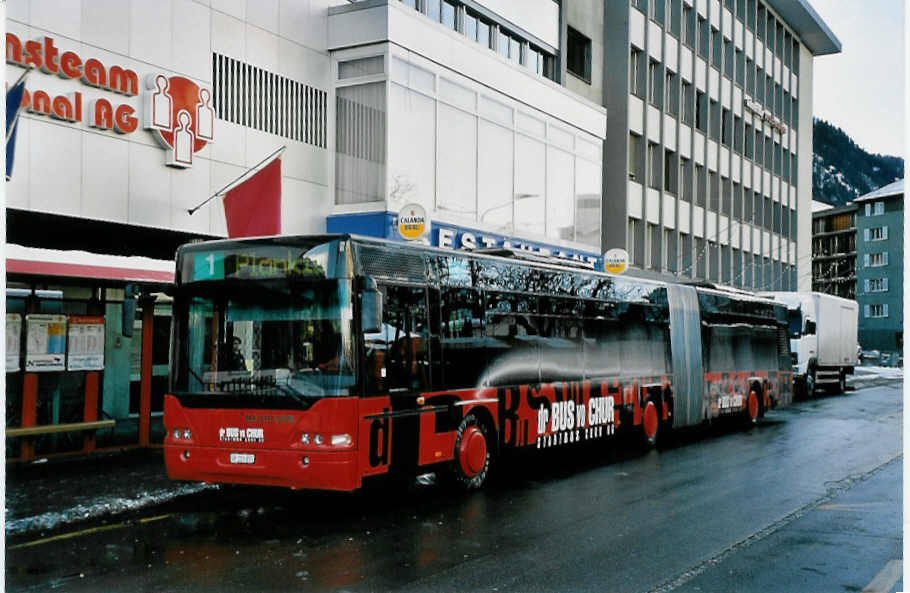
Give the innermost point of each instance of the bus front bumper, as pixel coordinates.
(317, 470)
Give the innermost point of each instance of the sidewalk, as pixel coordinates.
(43, 497)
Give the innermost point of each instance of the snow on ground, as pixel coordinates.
(878, 372)
(101, 507)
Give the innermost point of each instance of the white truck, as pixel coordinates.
(823, 342)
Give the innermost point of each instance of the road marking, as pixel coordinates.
(885, 578)
(89, 531)
(862, 507)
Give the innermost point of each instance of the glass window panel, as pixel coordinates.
(457, 162)
(495, 176)
(502, 44)
(514, 50)
(587, 202)
(530, 186)
(448, 14)
(560, 200)
(360, 114)
(483, 33)
(470, 26)
(433, 9)
(412, 158)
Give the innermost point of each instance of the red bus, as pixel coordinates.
(320, 362)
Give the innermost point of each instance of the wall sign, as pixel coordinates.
(616, 261)
(85, 342)
(453, 237)
(177, 110)
(13, 341)
(413, 222)
(756, 108)
(45, 343)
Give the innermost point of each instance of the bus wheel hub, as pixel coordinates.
(472, 451)
(650, 420)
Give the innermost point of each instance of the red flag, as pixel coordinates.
(253, 208)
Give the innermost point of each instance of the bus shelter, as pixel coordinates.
(87, 339)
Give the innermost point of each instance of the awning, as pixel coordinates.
(34, 261)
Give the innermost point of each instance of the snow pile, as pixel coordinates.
(100, 507)
(872, 372)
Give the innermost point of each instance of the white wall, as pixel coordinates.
(70, 168)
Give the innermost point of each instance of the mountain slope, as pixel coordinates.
(842, 171)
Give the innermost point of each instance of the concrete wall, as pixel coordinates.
(587, 17)
(804, 174)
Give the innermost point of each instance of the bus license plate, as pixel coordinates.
(243, 458)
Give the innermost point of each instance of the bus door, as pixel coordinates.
(398, 369)
(686, 349)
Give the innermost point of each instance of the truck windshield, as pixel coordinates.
(795, 328)
(266, 339)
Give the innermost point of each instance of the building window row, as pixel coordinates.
(250, 96)
(875, 310)
(875, 208)
(875, 233)
(875, 260)
(510, 45)
(876, 285)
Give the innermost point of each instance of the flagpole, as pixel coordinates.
(271, 157)
(19, 111)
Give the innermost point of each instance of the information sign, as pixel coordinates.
(45, 343)
(85, 343)
(13, 341)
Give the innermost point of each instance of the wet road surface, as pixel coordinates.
(807, 501)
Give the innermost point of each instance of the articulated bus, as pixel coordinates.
(321, 362)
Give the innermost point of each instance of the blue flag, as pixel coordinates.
(13, 105)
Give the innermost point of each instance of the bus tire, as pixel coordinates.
(473, 453)
(650, 424)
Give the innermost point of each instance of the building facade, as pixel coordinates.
(707, 164)
(136, 112)
(880, 268)
(834, 251)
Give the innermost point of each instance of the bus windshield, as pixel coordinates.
(266, 339)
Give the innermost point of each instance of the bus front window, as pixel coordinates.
(266, 341)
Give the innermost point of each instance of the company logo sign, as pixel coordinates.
(177, 111)
(616, 261)
(756, 108)
(413, 222)
(180, 115)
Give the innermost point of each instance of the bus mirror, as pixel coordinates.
(371, 311)
(130, 295)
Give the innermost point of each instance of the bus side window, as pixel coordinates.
(398, 353)
(463, 348)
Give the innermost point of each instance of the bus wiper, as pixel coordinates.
(288, 390)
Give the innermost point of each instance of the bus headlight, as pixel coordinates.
(176, 434)
(341, 440)
(305, 439)
(186, 433)
(318, 439)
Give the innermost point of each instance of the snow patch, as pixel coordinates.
(100, 508)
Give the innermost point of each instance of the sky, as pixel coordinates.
(861, 89)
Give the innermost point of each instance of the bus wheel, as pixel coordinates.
(753, 407)
(472, 453)
(650, 424)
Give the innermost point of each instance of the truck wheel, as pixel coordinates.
(471, 465)
(842, 382)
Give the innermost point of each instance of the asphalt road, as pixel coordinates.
(809, 500)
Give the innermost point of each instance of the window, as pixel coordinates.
(703, 37)
(726, 126)
(714, 190)
(670, 171)
(701, 192)
(502, 43)
(716, 47)
(578, 54)
(879, 209)
(876, 260)
(654, 85)
(739, 58)
(876, 233)
(654, 162)
(738, 134)
(688, 26)
(876, 285)
(685, 179)
(483, 34)
(652, 244)
(669, 251)
(448, 14)
(671, 103)
(688, 104)
(701, 111)
(728, 59)
(877, 310)
(715, 121)
(406, 361)
(432, 9)
(636, 173)
(685, 253)
(470, 26)
(635, 66)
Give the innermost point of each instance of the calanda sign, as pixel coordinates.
(176, 110)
